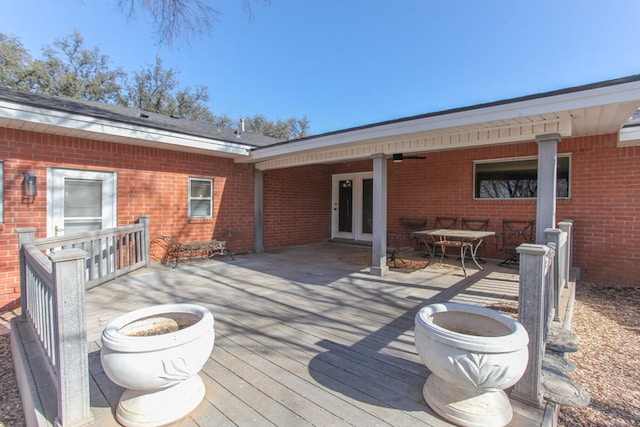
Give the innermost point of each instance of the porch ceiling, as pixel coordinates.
(597, 110)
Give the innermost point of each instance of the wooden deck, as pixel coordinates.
(302, 337)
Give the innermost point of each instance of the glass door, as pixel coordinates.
(345, 206)
(352, 210)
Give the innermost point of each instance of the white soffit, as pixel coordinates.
(18, 116)
(449, 139)
(602, 110)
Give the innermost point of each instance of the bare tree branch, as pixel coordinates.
(175, 20)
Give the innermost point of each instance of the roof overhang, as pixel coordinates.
(596, 109)
(39, 119)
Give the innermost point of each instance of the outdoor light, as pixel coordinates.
(29, 186)
(397, 157)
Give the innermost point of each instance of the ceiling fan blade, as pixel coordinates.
(398, 157)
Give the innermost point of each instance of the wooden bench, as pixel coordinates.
(197, 249)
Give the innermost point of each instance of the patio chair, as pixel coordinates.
(409, 225)
(476, 225)
(514, 233)
(394, 249)
(445, 222)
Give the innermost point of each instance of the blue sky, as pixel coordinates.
(345, 63)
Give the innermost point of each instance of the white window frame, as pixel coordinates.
(200, 198)
(55, 197)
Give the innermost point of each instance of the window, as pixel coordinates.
(200, 198)
(516, 178)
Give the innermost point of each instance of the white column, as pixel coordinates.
(547, 170)
(379, 244)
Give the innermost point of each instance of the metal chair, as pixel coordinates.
(514, 233)
(394, 249)
(445, 222)
(409, 225)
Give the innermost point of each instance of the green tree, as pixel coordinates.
(69, 69)
(297, 128)
(157, 89)
(193, 104)
(15, 64)
(223, 121)
(283, 129)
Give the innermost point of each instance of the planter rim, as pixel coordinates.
(515, 340)
(114, 340)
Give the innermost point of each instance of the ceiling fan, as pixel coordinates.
(398, 157)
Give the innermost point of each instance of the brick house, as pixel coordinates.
(100, 166)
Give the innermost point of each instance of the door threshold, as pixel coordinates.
(350, 242)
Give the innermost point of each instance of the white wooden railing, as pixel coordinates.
(54, 274)
(562, 237)
(110, 253)
(544, 274)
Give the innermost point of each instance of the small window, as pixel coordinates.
(200, 198)
(516, 178)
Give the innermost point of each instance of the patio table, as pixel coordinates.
(465, 240)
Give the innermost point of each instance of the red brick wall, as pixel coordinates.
(297, 206)
(605, 205)
(605, 202)
(442, 185)
(151, 182)
(352, 167)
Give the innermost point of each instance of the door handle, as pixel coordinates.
(57, 230)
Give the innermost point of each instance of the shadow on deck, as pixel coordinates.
(304, 336)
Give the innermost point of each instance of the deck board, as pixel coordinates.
(248, 394)
(298, 375)
(301, 338)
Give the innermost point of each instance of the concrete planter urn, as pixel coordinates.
(155, 353)
(473, 353)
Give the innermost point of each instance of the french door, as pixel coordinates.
(79, 201)
(352, 206)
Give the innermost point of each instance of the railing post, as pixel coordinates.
(567, 227)
(146, 240)
(553, 236)
(71, 337)
(25, 235)
(531, 314)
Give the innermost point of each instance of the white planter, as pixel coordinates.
(473, 353)
(155, 353)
